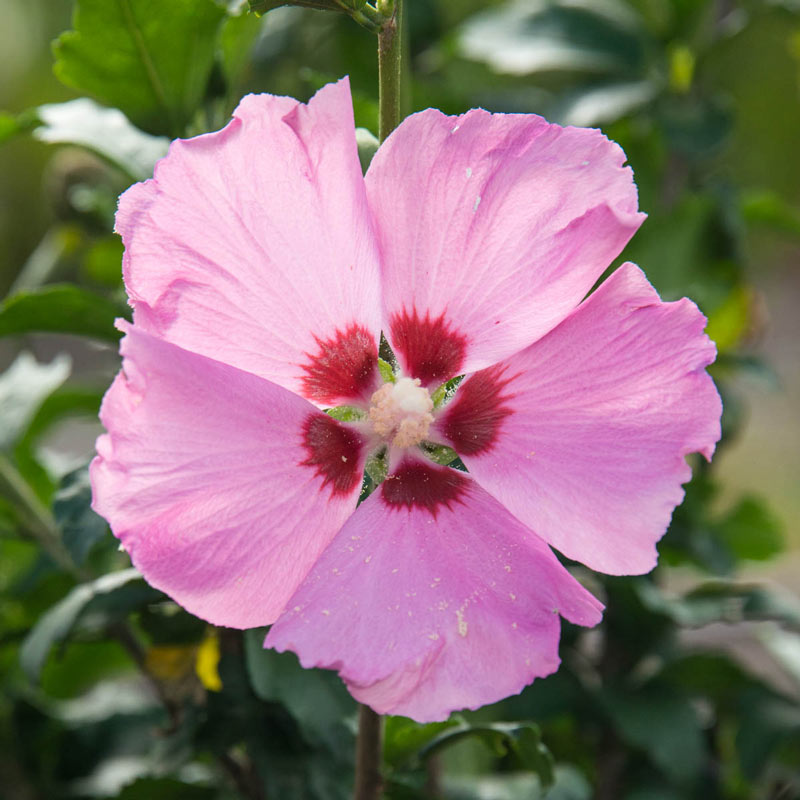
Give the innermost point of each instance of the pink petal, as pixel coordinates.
(223, 488)
(583, 435)
(433, 601)
(254, 246)
(492, 228)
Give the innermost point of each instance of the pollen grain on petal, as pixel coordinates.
(334, 451)
(431, 348)
(473, 420)
(344, 367)
(418, 485)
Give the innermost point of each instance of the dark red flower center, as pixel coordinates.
(390, 417)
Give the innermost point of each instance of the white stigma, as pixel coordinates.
(400, 412)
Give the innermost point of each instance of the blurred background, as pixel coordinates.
(691, 686)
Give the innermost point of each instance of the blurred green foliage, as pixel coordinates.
(110, 689)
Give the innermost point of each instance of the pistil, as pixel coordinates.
(400, 412)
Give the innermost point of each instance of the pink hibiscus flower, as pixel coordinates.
(262, 269)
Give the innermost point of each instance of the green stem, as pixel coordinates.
(390, 59)
(369, 749)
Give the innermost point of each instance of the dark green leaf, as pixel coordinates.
(23, 388)
(693, 128)
(105, 131)
(148, 58)
(61, 308)
(104, 600)
(316, 698)
(404, 738)
(768, 720)
(662, 723)
(80, 526)
(710, 675)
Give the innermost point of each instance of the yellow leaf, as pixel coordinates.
(208, 661)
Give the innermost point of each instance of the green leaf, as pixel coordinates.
(722, 601)
(80, 526)
(751, 530)
(569, 785)
(148, 58)
(236, 40)
(601, 104)
(61, 308)
(404, 738)
(695, 128)
(662, 723)
(23, 388)
(105, 131)
(767, 722)
(768, 208)
(521, 741)
(63, 402)
(102, 601)
(316, 698)
(523, 38)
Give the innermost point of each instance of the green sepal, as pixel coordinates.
(387, 373)
(345, 413)
(440, 453)
(376, 467)
(446, 391)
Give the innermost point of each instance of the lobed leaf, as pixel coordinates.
(148, 58)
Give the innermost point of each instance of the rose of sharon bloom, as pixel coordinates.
(262, 269)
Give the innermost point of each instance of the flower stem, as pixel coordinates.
(369, 748)
(390, 59)
(369, 744)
